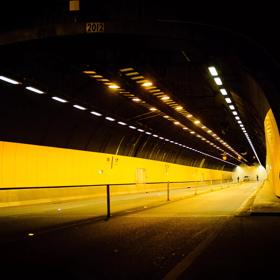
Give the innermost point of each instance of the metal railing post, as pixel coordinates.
(108, 202)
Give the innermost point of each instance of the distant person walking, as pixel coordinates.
(257, 177)
(238, 179)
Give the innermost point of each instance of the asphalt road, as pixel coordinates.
(206, 236)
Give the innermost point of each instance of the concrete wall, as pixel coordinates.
(272, 152)
(24, 165)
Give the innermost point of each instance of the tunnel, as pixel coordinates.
(106, 101)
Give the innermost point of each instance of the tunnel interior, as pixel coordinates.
(178, 70)
(183, 117)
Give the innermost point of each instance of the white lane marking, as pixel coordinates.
(183, 265)
(244, 207)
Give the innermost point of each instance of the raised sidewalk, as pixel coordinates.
(265, 202)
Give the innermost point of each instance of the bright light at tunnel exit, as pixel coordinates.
(244, 173)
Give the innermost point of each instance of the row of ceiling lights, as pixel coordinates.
(130, 72)
(214, 73)
(148, 85)
(108, 118)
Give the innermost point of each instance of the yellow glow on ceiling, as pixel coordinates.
(132, 74)
(136, 99)
(147, 84)
(165, 97)
(113, 86)
(137, 78)
(102, 80)
(89, 72)
(126, 69)
(171, 103)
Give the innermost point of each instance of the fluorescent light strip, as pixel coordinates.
(59, 99)
(250, 142)
(211, 133)
(34, 90)
(176, 106)
(121, 123)
(213, 71)
(132, 127)
(79, 107)
(110, 119)
(218, 81)
(223, 91)
(209, 155)
(96, 113)
(8, 80)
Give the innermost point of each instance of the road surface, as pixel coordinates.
(206, 236)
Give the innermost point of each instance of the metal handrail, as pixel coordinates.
(105, 184)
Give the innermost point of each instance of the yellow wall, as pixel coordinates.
(24, 165)
(272, 152)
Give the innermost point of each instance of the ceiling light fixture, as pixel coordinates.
(8, 80)
(223, 91)
(218, 81)
(213, 71)
(153, 109)
(113, 86)
(96, 113)
(228, 100)
(110, 119)
(147, 84)
(59, 99)
(165, 97)
(121, 123)
(34, 90)
(89, 72)
(136, 99)
(79, 107)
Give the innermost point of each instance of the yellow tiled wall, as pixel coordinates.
(24, 165)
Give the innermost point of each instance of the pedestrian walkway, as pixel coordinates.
(266, 202)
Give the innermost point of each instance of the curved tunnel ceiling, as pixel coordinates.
(191, 115)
